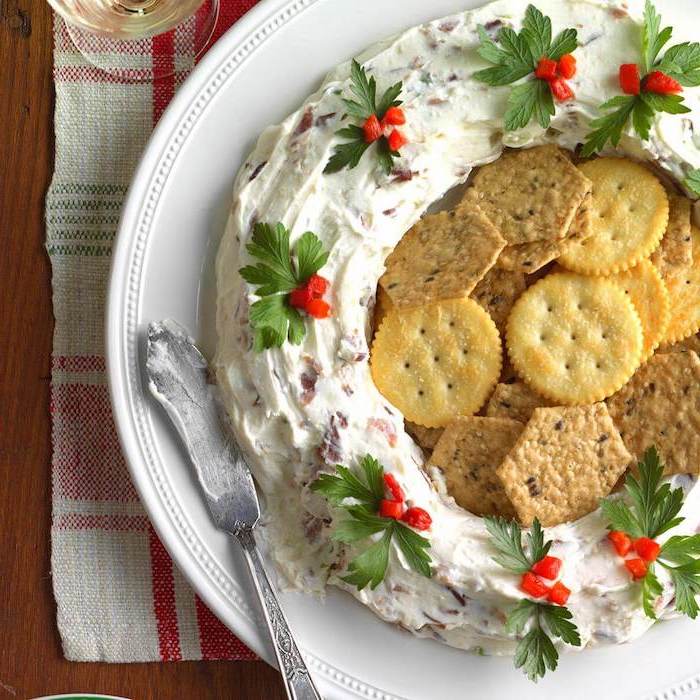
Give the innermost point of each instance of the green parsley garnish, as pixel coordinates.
(692, 181)
(535, 652)
(276, 275)
(680, 62)
(653, 510)
(359, 496)
(364, 89)
(515, 55)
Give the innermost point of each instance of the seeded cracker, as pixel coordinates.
(468, 454)
(382, 306)
(564, 462)
(675, 252)
(497, 293)
(647, 291)
(661, 406)
(426, 438)
(630, 214)
(684, 292)
(530, 195)
(516, 401)
(530, 257)
(437, 361)
(442, 257)
(691, 344)
(574, 339)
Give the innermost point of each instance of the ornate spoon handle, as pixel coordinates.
(297, 678)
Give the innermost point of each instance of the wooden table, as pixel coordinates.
(31, 662)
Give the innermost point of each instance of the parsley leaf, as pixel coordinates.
(360, 497)
(682, 62)
(686, 580)
(653, 37)
(537, 32)
(514, 59)
(692, 181)
(558, 619)
(532, 98)
(609, 126)
(310, 256)
(651, 590)
(565, 42)
(507, 540)
(681, 549)
(672, 104)
(364, 89)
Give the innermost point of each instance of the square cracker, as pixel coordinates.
(564, 462)
(425, 438)
(675, 252)
(442, 257)
(531, 257)
(660, 406)
(516, 401)
(530, 195)
(468, 453)
(497, 293)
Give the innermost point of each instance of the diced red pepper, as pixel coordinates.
(621, 541)
(417, 518)
(637, 567)
(629, 78)
(561, 90)
(390, 509)
(394, 488)
(300, 297)
(396, 140)
(558, 594)
(533, 585)
(318, 308)
(647, 548)
(546, 69)
(317, 285)
(547, 567)
(662, 84)
(394, 116)
(566, 67)
(372, 129)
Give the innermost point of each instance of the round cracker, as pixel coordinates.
(630, 213)
(684, 292)
(575, 339)
(438, 361)
(647, 291)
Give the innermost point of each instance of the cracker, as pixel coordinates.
(684, 293)
(530, 195)
(691, 344)
(574, 339)
(425, 438)
(382, 306)
(442, 257)
(630, 214)
(497, 293)
(437, 361)
(647, 292)
(675, 252)
(530, 257)
(565, 461)
(468, 454)
(516, 401)
(661, 406)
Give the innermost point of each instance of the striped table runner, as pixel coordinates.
(119, 597)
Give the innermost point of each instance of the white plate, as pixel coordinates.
(258, 73)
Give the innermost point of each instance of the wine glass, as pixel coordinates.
(139, 40)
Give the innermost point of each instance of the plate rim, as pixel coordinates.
(123, 343)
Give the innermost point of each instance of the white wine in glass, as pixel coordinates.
(107, 27)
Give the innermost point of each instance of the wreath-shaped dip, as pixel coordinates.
(412, 388)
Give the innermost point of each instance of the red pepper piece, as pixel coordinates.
(394, 116)
(317, 285)
(533, 586)
(396, 140)
(547, 567)
(417, 518)
(300, 297)
(561, 90)
(647, 548)
(390, 509)
(662, 84)
(637, 567)
(629, 78)
(394, 489)
(372, 129)
(546, 69)
(620, 541)
(318, 308)
(558, 594)
(566, 66)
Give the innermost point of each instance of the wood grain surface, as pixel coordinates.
(31, 662)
